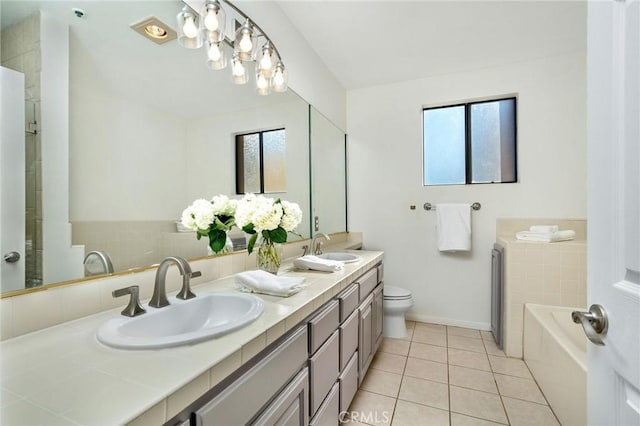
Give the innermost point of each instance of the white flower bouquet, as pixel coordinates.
(271, 219)
(212, 219)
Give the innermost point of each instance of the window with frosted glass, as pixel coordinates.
(261, 162)
(470, 143)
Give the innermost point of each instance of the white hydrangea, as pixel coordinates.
(261, 211)
(223, 206)
(292, 215)
(199, 215)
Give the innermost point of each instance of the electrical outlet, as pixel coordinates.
(316, 222)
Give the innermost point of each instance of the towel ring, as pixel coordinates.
(475, 206)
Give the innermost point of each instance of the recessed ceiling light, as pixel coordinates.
(154, 29)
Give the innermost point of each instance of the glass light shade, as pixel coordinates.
(188, 30)
(263, 83)
(213, 20)
(239, 73)
(266, 59)
(244, 44)
(280, 78)
(216, 58)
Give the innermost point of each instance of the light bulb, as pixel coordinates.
(214, 52)
(238, 69)
(211, 20)
(245, 42)
(261, 81)
(278, 78)
(190, 29)
(265, 62)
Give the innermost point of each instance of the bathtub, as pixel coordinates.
(555, 349)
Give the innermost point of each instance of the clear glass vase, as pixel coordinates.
(269, 256)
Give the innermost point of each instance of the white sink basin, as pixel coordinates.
(183, 322)
(342, 257)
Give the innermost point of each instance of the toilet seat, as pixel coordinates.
(396, 293)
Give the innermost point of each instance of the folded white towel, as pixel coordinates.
(543, 229)
(454, 227)
(550, 237)
(259, 281)
(317, 264)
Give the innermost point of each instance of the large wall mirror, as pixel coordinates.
(122, 134)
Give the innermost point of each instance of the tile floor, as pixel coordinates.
(441, 375)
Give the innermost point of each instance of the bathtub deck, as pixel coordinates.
(443, 375)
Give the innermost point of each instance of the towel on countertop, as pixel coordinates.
(317, 264)
(548, 237)
(544, 229)
(454, 227)
(259, 281)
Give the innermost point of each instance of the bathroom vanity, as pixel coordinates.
(301, 361)
(310, 374)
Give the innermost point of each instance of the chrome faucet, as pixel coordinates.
(159, 298)
(104, 259)
(316, 246)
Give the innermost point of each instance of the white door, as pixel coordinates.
(613, 71)
(12, 184)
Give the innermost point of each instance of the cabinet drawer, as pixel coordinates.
(348, 299)
(368, 282)
(348, 339)
(348, 381)
(327, 414)
(290, 407)
(322, 325)
(256, 387)
(323, 372)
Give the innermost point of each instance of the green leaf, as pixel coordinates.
(249, 229)
(252, 242)
(217, 240)
(278, 235)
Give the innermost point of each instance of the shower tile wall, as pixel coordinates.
(543, 273)
(21, 52)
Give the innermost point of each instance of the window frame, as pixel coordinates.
(468, 154)
(239, 153)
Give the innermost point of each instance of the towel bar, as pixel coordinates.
(429, 206)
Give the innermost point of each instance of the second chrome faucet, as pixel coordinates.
(159, 297)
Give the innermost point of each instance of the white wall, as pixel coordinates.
(385, 177)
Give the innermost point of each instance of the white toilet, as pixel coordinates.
(396, 302)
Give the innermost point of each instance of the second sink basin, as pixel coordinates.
(183, 322)
(342, 257)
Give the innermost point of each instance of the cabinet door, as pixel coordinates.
(377, 317)
(256, 387)
(290, 406)
(365, 337)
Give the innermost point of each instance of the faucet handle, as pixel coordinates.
(305, 249)
(134, 308)
(185, 293)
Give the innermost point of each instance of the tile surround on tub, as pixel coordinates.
(544, 273)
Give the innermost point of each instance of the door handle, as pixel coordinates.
(11, 257)
(595, 323)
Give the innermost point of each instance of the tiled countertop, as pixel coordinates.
(63, 376)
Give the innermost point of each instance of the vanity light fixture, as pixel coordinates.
(247, 40)
(154, 29)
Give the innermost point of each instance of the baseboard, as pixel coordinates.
(412, 316)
